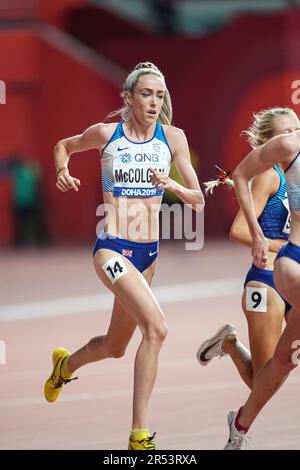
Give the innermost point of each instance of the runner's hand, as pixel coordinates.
(65, 181)
(162, 181)
(260, 250)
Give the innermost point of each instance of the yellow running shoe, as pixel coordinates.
(54, 383)
(143, 444)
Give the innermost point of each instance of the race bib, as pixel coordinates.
(256, 299)
(114, 268)
(132, 175)
(287, 225)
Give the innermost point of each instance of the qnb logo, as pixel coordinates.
(126, 158)
(296, 94)
(143, 157)
(2, 92)
(2, 353)
(296, 354)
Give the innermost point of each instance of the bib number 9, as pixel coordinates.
(256, 299)
(287, 227)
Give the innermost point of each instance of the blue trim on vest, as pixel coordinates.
(137, 192)
(133, 142)
(160, 135)
(116, 135)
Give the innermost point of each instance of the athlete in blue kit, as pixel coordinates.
(283, 149)
(263, 306)
(136, 155)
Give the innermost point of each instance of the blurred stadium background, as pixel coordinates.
(62, 64)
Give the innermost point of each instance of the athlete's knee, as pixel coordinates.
(156, 331)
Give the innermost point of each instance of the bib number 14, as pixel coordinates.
(114, 268)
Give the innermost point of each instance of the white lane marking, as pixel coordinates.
(109, 366)
(108, 394)
(87, 396)
(91, 303)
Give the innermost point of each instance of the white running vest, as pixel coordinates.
(126, 165)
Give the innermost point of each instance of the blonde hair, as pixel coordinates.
(262, 127)
(144, 68)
